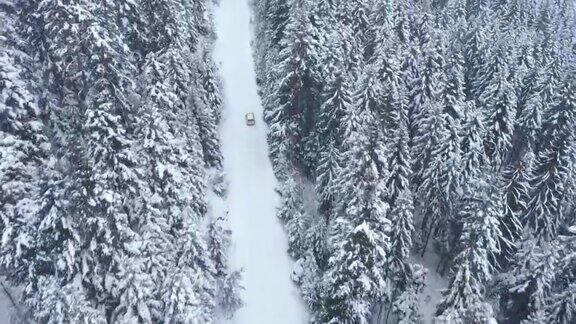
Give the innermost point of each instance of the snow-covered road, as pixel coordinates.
(259, 243)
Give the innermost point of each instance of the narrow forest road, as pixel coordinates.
(259, 243)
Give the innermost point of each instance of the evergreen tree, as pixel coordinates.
(329, 134)
(338, 101)
(23, 147)
(474, 58)
(531, 109)
(528, 282)
(294, 101)
(127, 16)
(356, 278)
(207, 114)
(400, 159)
(562, 306)
(499, 99)
(473, 153)
(440, 180)
(465, 299)
(551, 169)
(111, 182)
(292, 212)
(406, 306)
(327, 178)
(516, 195)
(427, 100)
(453, 94)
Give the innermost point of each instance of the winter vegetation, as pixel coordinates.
(108, 135)
(398, 130)
(442, 127)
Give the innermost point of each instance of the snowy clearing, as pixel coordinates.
(259, 243)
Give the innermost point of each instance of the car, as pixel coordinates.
(250, 119)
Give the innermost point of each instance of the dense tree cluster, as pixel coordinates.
(426, 126)
(108, 113)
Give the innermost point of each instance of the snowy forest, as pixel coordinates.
(423, 156)
(108, 149)
(402, 130)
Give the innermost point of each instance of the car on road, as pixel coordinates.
(250, 119)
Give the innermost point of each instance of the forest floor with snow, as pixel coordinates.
(7, 309)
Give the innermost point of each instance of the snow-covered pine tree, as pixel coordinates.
(560, 305)
(527, 284)
(407, 305)
(212, 96)
(354, 14)
(399, 197)
(385, 62)
(127, 16)
(475, 56)
(228, 282)
(112, 182)
(271, 18)
(367, 106)
(64, 303)
(530, 109)
(516, 195)
(412, 71)
(291, 108)
(481, 208)
(399, 163)
(407, 278)
(171, 182)
(338, 100)
(402, 13)
(355, 279)
(381, 20)
(278, 17)
(473, 154)
(327, 177)
(189, 293)
(292, 213)
(552, 167)
(54, 28)
(47, 242)
(161, 24)
(193, 273)
(329, 131)
(498, 98)
(356, 276)
(229, 300)
(85, 226)
(453, 12)
(207, 112)
(425, 99)
(453, 93)
(440, 176)
(23, 145)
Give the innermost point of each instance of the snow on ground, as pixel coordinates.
(7, 309)
(432, 292)
(259, 243)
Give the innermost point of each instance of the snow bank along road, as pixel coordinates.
(259, 243)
